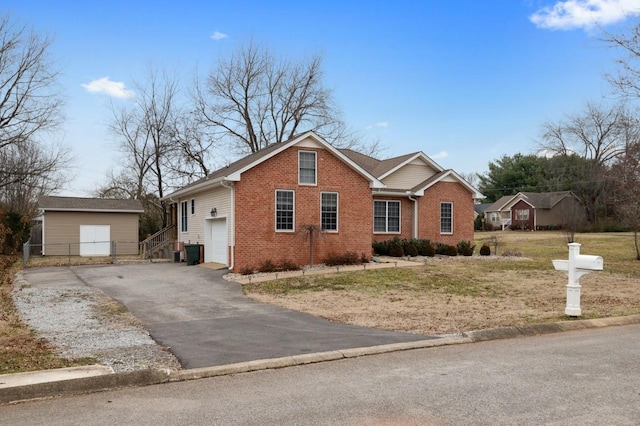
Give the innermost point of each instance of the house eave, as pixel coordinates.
(60, 209)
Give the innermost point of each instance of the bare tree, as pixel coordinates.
(597, 136)
(145, 133)
(28, 171)
(30, 101)
(625, 175)
(256, 99)
(30, 106)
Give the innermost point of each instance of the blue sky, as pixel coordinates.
(465, 81)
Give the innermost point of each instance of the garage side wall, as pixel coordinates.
(62, 231)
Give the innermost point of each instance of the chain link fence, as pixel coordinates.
(74, 250)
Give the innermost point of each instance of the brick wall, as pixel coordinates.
(429, 213)
(406, 219)
(256, 237)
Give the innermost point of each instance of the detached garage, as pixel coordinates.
(89, 226)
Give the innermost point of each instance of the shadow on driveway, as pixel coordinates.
(206, 320)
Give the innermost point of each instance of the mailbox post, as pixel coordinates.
(577, 266)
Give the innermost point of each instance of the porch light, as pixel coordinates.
(214, 212)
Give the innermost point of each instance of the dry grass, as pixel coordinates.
(20, 349)
(460, 294)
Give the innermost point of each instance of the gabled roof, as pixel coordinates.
(233, 171)
(53, 203)
(538, 200)
(383, 168)
(544, 200)
(422, 186)
(500, 204)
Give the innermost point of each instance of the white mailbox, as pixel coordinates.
(577, 266)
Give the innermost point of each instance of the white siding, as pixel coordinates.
(218, 198)
(409, 176)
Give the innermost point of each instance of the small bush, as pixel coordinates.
(485, 250)
(348, 258)
(396, 250)
(429, 251)
(364, 258)
(411, 250)
(465, 248)
(267, 266)
(288, 265)
(247, 270)
(451, 251)
(381, 248)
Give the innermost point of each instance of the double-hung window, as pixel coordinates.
(329, 211)
(307, 170)
(522, 214)
(284, 210)
(193, 206)
(386, 216)
(184, 214)
(446, 218)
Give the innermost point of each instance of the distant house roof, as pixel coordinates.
(53, 203)
(480, 208)
(538, 200)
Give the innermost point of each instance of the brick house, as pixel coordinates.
(256, 208)
(535, 211)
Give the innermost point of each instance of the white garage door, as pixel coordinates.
(219, 241)
(95, 240)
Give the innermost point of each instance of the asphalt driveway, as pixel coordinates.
(206, 320)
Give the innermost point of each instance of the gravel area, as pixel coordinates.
(81, 321)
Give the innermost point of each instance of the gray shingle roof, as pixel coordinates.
(374, 166)
(89, 204)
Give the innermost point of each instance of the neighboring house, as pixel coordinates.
(535, 211)
(479, 208)
(255, 209)
(89, 226)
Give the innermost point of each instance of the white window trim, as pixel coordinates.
(315, 165)
(451, 219)
(386, 224)
(519, 211)
(275, 212)
(184, 217)
(331, 231)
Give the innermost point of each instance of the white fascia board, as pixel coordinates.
(90, 210)
(516, 198)
(420, 155)
(374, 183)
(476, 194)
(191, 189)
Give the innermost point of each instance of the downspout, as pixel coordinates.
(233, 222)
(414, 231)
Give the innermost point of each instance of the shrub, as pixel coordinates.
(423, 246)
(485, 250)
(381, 248)
(288, 265)
(396, 250)
(411, 250)
(364, 258)
(429, 250)
(348, 258)
(267, 266)
(451, 251)
(247, 270)
(465, 248)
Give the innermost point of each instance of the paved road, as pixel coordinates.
(586, 377)
(206, 320)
